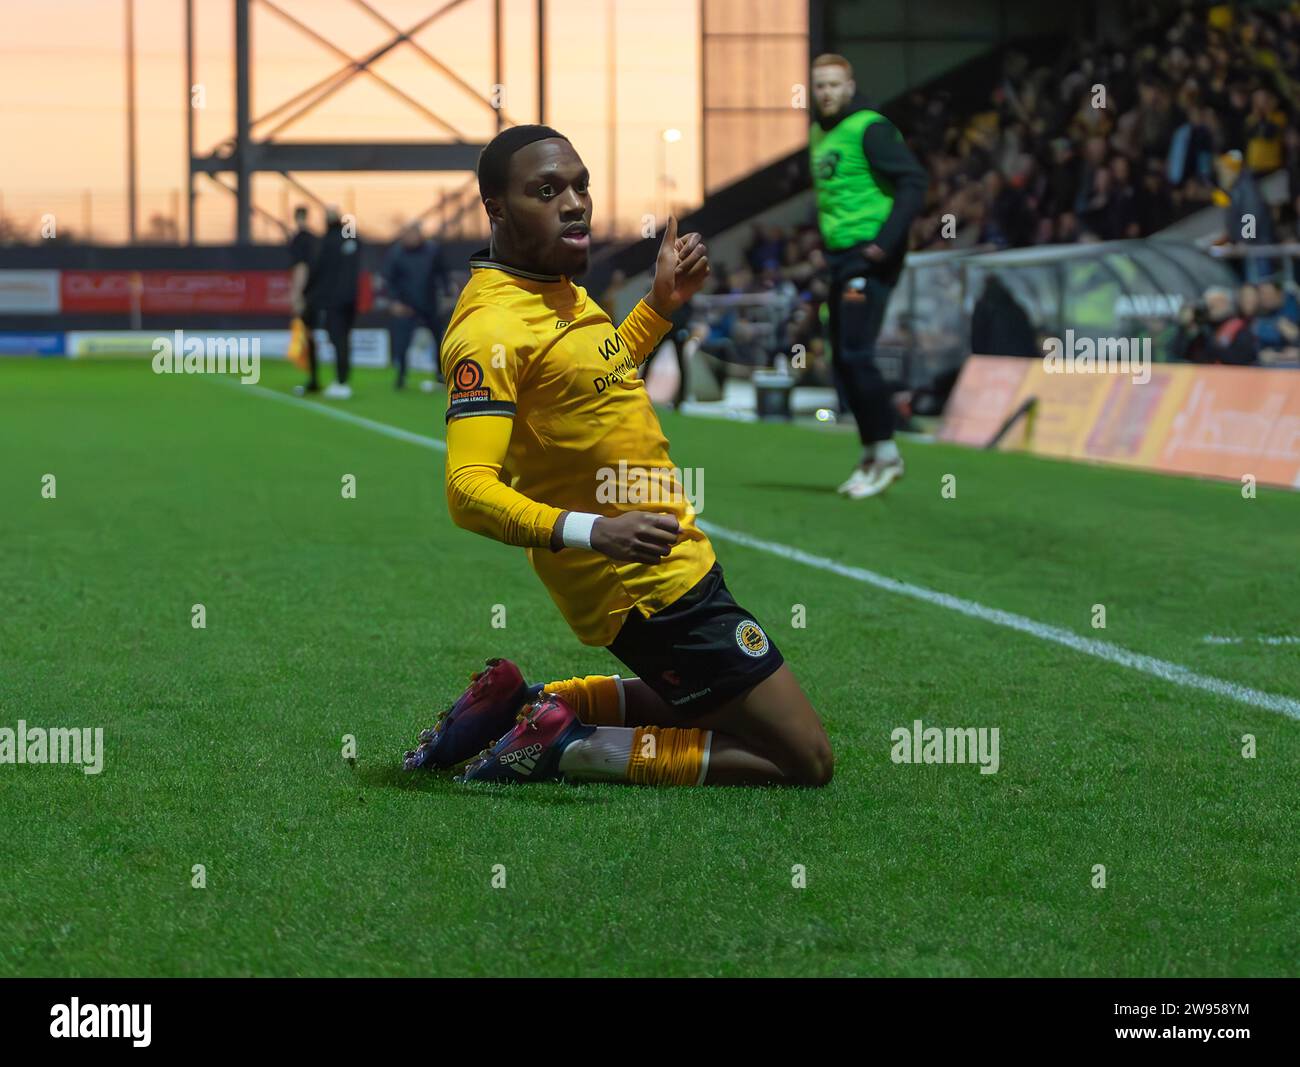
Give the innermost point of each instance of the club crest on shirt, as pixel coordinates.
(751, 639)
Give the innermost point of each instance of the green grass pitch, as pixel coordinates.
(329, 616)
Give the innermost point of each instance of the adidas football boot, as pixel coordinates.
(478, 717)
(531, 751)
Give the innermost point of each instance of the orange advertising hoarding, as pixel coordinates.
(1234, 421)
(1220, 422)
(982, 399)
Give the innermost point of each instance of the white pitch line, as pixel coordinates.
(1090, 646)
(1170, 672)
(347, 416)
(1279, 639)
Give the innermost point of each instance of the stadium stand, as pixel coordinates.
(1197, 119)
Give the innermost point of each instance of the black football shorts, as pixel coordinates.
(700, 651)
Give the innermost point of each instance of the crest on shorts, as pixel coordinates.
(751, 639)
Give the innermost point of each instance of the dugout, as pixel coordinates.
(1103, 289)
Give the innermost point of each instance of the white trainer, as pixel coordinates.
(879, 478)
(336, 391)
(855, 480)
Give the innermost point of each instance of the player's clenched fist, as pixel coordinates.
(636, 537)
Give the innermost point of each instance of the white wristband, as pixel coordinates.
(577, 529)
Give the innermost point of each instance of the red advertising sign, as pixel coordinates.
(255, 292)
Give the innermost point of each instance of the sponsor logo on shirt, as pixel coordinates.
(467, 383)
(610, 346)
(622, 370)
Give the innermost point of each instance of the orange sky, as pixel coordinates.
(62, 101)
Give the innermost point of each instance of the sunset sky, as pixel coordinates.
(63, 116)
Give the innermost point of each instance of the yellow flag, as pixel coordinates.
(298, 344)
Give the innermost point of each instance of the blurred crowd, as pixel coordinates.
(1195, 114)
(1256, 324)
(1111, 143)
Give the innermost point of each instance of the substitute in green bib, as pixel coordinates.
(869, 189)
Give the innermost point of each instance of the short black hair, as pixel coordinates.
(494, 160)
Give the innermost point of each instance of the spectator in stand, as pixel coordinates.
(1277, 325)
(817, 366)
(1248, 304)
(1094, 160)
(1233, 118)
(1123, 219)
(1159, 120)
(1009, 222)
(1154, 201)
(1213, 332)
(1291, 141)
(1264, 126)
(766, 248)
(1097, 216)
(1248, 218)
(1067, 228)
(1064, 173)
(1191, 152)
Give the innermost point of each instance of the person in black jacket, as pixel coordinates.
(302, 253)
(414, 277)
(999, 326)
(332, 287)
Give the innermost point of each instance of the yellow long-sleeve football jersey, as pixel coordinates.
(583, 436)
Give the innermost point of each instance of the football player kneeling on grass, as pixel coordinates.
(542, 387)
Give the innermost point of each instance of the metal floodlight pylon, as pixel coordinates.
(243, 154)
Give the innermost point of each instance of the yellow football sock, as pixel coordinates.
(669, 755)
(597, 698)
